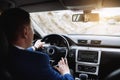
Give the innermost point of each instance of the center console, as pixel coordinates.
(87, 60)
(94, 57)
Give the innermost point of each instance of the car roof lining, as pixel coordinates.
(50, 5)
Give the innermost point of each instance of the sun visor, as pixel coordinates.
(82, 4)
(111, 3)
(5, 4)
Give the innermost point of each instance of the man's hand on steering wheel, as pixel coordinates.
(63, 67)
(38, 44)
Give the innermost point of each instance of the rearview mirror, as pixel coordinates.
(85, 17)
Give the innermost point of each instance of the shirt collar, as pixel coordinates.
(19, 47)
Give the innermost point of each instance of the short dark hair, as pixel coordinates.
(13, 20)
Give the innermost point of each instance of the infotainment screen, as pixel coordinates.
(87, 56)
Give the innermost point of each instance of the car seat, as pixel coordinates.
(4, 74)
(115, 75)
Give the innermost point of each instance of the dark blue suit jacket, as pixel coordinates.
(32, 65)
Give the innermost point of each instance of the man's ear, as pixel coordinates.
(25, 32)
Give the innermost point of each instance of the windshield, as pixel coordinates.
(60, 22)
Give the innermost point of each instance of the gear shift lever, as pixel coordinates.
(83, 76)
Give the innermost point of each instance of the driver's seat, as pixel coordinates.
(4, 74)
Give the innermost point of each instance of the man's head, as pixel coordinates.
(16, 23)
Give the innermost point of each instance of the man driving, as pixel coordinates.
(24, 63)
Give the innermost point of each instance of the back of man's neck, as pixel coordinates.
(19, 44)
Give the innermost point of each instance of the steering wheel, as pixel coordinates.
(57, 47)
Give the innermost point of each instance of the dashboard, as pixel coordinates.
(97, 63)
(90, 57)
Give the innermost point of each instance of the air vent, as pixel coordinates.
(82, 41)
(96, 42)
